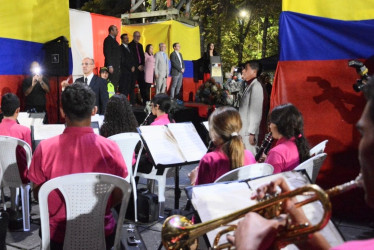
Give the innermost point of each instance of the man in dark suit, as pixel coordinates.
(127, 82)
(177, 70)
(138, 55)
(97, 84)
(112, 55)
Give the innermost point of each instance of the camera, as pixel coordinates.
(36, 70)
(238, 69)
(362, 70)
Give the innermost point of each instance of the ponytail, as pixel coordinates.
(235, 152)
(302, 147)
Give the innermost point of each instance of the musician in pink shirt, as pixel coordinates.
(161, 108)
(287, 126)
(256, 232)
(224, 127)
(77, 150)
(10, 107)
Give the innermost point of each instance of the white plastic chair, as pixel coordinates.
(313, 165)
(86, 196)
(246, 172)
(10, 176)
(127, 143)
(319, 148)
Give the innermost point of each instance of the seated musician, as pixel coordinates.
(287, 126)
(10, 107)
(247, 235)
(224, 127)
(77, 150)
(162, 109)
(119, 117)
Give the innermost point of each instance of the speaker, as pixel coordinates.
(56, 59)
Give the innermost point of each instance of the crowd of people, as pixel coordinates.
(234, 131)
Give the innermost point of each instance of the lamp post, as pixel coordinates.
(243, 14)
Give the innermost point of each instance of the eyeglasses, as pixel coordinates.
(86, 64)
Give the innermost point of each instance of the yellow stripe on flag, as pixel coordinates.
(34, 20)
(168, 32)
(348, 10)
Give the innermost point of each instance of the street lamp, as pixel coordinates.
(243, 13)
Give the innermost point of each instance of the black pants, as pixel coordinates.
(127, 85)
(139, 76)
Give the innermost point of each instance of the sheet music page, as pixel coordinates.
(42, 132)
(161, 144)
(98, 118)
(206, 125)
(189, 141)
(216, 200)
(24, 119)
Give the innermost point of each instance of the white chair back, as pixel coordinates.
(86, 196)
(8, 160)
(10, 176)
(247, 172)
(127, 143)
(319, 148)
(313, 165)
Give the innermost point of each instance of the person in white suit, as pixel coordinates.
(161, 69)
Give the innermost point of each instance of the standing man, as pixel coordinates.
(161, 69)
(77, 150)
(138, 55)
(177, 70)
(35, 87)
(127, 81)
(112, 55)
(97, 84)
(251, 105)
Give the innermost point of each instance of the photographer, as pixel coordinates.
(34, 88)
(235, 85)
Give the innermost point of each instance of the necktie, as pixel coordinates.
(166, 60)
(137, 51)
(86, 81)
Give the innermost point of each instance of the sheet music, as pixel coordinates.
(24, 119)
(214, 201)
(162, 145)
(189, 141)
(206, 125)
(42, 132)
(98, 118)
(28, 120)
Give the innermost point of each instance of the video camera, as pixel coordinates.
(362, 71)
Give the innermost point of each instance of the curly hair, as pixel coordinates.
(290, 124)
(118, 117)
(78, 100)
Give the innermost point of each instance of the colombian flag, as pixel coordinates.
(24, 27)
(317, 39)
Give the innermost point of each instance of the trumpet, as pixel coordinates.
(178, 232)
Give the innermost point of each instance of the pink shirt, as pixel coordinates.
(284, 156)
(357, 244)
(77, 150)
(216, 163)
(9, 127)
(161, 120)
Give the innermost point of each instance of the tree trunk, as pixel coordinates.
(264, 36)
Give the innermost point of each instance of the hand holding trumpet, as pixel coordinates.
(257, 232)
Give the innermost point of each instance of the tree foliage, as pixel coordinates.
(239, 39)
